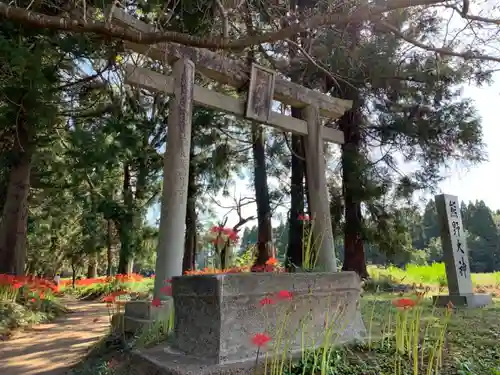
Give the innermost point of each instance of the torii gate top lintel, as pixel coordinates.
(228, 71)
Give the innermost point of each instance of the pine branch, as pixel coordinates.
(467, 55)
(107, 30)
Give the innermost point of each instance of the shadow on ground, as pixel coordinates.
(51, 349)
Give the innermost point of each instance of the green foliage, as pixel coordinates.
(158, 332)
(14, 315)
(96, 367)
(411, 111)
(100, 289)
(280, 239)
(415, 238)
(246, 258)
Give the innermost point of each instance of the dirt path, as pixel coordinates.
(50, 349)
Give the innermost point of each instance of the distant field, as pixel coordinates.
(434, 274)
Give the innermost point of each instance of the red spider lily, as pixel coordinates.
(266, 301)
(216, 229)
(260, 339)
(119, 293)
(109, 299)
(404, 303)
(258, 268)
(227, 231)
(285, 295)
(212, 271)
(166, 290)
(303, 217)
(263, 268)
(218, 241)
(272, 261)
(104, 280)
(254, 268)
(156, 302)
(233, 236)
(30, 285)
(272, 265)
(223, 233)
(235, 270)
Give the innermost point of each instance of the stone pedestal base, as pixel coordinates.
(140, 315)
(467, 300)
(216, 316)
(163, 360)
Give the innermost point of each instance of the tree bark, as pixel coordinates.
(13, 224)
(350, 123)
(73, 273)
(109, 247)
(363, 13)
(126, 227)
(92, 267)
(354, 253)
(188, 261)
(264, 240)
(299, 189)
(296, 226)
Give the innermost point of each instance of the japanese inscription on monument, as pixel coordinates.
(453, 238)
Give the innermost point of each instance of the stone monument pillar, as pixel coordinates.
(456, 256)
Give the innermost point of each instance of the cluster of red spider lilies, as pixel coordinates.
(30, 288)
(272, 265)
(104, 280)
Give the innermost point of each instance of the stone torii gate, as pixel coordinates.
(264, 86)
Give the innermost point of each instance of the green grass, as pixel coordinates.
(434, 274)
(97, 290)
(472, 339)
(471, 346)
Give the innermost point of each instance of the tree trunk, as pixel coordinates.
(126, 262)
(13, 224)
(130, 266)
(296, 226)
(92, 267)
(223, 257)
(264, 239)
(126, 267)
(109, 248)
(354, 253)
(350, 123)
(126, 228)
(73, 272)
(188, 261)
(299, 188)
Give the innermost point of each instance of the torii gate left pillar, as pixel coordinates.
(175, 177)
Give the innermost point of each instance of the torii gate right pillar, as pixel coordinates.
(318, 191)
